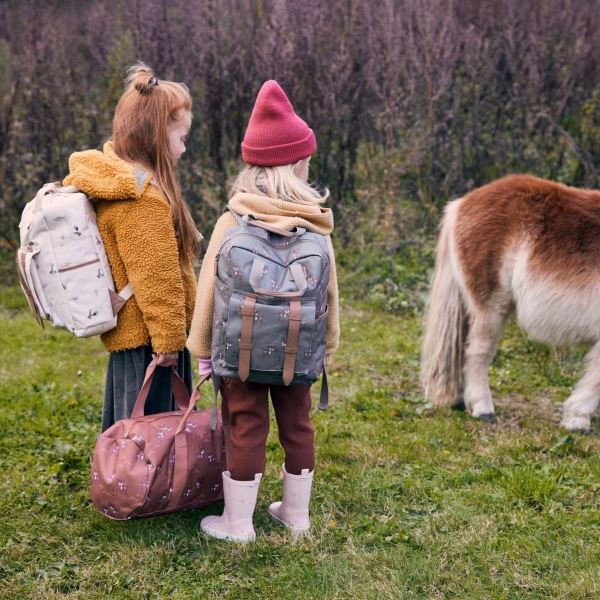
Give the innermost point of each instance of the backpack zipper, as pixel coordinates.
(273, 246)
(85, 264)
(263, 241)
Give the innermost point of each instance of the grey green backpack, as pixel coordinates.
(270, 315)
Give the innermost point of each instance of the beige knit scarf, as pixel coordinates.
(282, 214)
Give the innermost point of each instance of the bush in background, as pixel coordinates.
(414, 102)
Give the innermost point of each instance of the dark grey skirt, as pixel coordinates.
(124, 379)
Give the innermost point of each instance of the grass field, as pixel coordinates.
(408, 502)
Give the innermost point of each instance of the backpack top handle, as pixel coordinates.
(252, 220)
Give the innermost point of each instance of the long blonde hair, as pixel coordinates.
(146, 111)
(278, 183)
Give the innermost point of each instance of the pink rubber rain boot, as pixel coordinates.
(235, 523)
(292, 511)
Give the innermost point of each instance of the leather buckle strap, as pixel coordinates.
(291, 345)
(245, 344)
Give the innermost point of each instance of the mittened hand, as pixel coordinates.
(204, 366)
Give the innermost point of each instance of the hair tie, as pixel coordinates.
(155, 81)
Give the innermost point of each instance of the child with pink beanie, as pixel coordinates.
(273, 189)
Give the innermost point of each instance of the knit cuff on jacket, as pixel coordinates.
(198, 349)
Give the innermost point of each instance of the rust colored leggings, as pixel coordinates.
(245, 411)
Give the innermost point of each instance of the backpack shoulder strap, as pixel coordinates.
(324, 397)
(52, 188)
(238, 218)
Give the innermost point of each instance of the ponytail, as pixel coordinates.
(146, 112)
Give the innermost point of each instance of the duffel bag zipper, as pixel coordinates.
(126, 434)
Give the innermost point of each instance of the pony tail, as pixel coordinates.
(141, 77)
(446, 324)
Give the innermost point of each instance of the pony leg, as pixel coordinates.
(583, 401)
(484, 331)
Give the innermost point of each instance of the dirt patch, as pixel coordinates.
(518, 412)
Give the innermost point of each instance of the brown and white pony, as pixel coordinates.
(522, 244)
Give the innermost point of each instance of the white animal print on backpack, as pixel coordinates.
(62, 264)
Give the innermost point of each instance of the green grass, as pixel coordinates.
(408, 502)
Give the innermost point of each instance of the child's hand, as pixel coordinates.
(167, 360)
(204, 366)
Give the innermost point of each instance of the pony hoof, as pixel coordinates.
(486, 417)
(576, 424)
(459, 406)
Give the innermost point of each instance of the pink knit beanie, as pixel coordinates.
(276, 135)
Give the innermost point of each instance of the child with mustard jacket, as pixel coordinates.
(149, 236)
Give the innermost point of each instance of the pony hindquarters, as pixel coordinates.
(446, 323)
(523, 243)
(461, 332)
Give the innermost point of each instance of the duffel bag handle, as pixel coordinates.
(180, 391)
(193, 401)
(180, 467)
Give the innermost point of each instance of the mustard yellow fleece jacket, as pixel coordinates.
(137, 229)
(285, 215)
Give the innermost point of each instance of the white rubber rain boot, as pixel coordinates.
(292, 511)
(235, 523)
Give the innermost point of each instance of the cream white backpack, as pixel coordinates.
(62, 264)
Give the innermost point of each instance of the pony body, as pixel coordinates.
(523, 244)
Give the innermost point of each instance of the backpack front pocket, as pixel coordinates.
(268, 332)
(82, 278)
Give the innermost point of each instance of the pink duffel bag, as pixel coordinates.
(152, 465)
